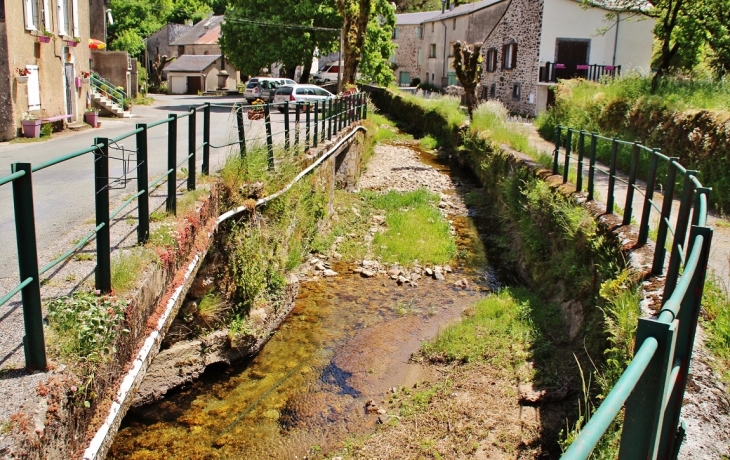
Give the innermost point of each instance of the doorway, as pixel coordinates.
(571, 53)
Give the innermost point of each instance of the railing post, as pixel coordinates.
(205, 169)
(307, 132)
(644, 407)
(680, 234)
(648, 197)
(329, 120)
(269, 139)
(103, 274)
(581, 153)
(661, 239)
(316, 126)
(241, 131)
(171, 205)
(286, 126)
(324, 120)
(612, 176)
(568, 149)
(34, 345)
(558, 132)
(592, 166)
(688, 316)
(143, 201)
(629, 206)
(297, 114)
(365, 108)
(191, 148)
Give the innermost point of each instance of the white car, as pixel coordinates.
(301, 93)
(261, 87)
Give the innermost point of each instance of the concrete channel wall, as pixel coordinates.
(58, 428)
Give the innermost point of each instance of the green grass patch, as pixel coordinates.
(448, 106)
(127, 266)
(428, 142)
(141, 99)
(416, 230)
(716, 320)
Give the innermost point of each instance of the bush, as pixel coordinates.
(416, 81)
(429, 87)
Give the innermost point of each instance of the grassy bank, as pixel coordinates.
(688, 120)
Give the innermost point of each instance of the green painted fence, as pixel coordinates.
(337, 113)
(652, 387)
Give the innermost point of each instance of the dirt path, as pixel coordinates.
(706, 409)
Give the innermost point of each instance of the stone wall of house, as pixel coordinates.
(7, 122)
(406, 54)
(522, 24)
(482, 22)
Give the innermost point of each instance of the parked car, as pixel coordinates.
(264, 88)
(327, 73)
(301, 93)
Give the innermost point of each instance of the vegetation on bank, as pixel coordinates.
(688, 120)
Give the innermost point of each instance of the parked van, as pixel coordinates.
(327, 73)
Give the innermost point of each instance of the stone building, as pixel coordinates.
(528, 45)
(160, 43)
(49, 40)
(408, 37)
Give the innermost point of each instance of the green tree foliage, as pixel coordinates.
(714, 16)
(378, 46)
(367, 27)
(252, 41)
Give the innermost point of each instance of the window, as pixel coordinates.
(432, 26)
(75, 17)
(433, 77)
(432, 50)
(516, 91)
(452, 80)
(30, 9)
(180, 50)
(509, 56)
(395, 33)
(453, 26)
(404, 79)
(419, 58)
(491, 59)
(63, 11)
(493, 91)
(419, 32)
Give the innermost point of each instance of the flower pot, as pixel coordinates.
(91, 118)
(72, 43)
(85, 79)
(255, 115)
(44, 39)
(98, 124)
(22, 78)
(31, 128)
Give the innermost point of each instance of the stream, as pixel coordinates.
(347, 341)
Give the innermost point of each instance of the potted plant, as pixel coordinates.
(127, 104)
(73, 42)
(85, 76)
(23, 74)
(92, 116)
(31, 125)
(45, 36)
(256, 112)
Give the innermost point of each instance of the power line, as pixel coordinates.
(278, 24)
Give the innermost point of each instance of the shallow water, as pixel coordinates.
(347, 340)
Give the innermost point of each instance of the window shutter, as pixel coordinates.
(504, 56)
(47, 16)
(514, 55)
(29, 20)
(76, 17)
(34, 92)
(61, 17)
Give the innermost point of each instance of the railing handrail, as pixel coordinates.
(340, 112)
(654, 383)
(101, 84)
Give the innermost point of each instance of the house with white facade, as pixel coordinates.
(529, 44)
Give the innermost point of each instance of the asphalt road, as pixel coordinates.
(64, 193)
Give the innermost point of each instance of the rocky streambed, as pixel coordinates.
(326, 372)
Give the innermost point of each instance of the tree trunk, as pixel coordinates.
(306, 71)
(353, 30)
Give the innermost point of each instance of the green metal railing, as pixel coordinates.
(652, 387)
(336, 114)
(107, 89)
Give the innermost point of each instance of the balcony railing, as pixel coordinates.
(551, 72)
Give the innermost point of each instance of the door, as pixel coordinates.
(569, 54)
(195, 84)
(69, 84)
(177, 85)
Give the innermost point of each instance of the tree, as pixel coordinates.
(258, 33)
(364, 20)
(714, 17)
(378, 47)
(468, 67)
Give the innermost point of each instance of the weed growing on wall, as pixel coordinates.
(716, 320)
